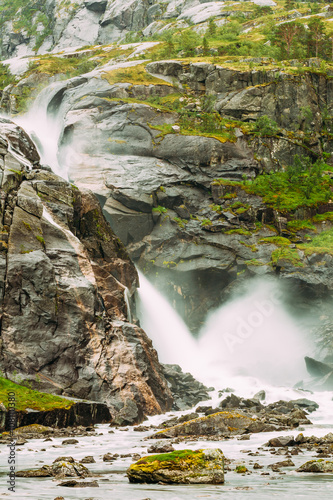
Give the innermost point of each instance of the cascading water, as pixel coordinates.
(171, 338)
(250, 343)
(44, 129)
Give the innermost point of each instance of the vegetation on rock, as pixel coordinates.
(28, 398)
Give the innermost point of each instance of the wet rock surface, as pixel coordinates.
(186, 391)
(158, 188)
(237, 415)
(63, 276)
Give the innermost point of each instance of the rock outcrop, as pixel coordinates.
(63, 279)
(180, 467)
(56, 25)
(186, 391)
(159, 187)
(84, 414)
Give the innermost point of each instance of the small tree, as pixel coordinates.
(205, 46)
(212, 28)
(315, 36)
(289, 37)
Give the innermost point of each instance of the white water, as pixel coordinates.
(44, 129)
(248, 344)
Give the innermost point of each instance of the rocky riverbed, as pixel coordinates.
(260, 464)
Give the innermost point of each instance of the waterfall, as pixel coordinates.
(128, 305)
(44, 128)
(251, 341)
(171, 337)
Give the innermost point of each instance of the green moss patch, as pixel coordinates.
(29, 398)
(137, 75)
(180, 460)
(322, 244)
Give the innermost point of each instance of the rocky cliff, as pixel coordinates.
(45, 25)
(193, 158)
(173, 190)
(64, 275)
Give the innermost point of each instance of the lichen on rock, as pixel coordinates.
(205, 466)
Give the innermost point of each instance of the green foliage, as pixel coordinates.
(323, 243)
(327, 216)
(301, 185)
(187, 42)
(6, 78)
(159, 209)
(212, 28)
(287, 254)
(241, 469)
(240, 230)
(275, 240)
(298, 225)
(181, 222)
(230, 31)
(265, 126)
(27, 398)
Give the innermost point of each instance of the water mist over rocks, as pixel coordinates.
(249, 341)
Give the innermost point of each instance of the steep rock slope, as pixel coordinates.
(159, 183)
(64, 275)
(45, 25)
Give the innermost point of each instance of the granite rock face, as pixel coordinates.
(63, 279)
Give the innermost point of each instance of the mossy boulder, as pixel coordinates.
(317, 466)
(224, 423)
(180, 467)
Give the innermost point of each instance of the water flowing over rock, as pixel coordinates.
(63, 276)
(158, 190)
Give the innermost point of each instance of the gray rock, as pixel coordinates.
(316, 466)
(66, 276)
(96, 5)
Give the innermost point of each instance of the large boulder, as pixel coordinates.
(317, 466)
(223, 423)
(180, 467)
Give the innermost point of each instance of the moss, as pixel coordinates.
(28, 398)
(181, 222)
(321, 244)
(137, 75)
(41, 240)
(27, 226)
(206, 222)
(177, 460)
(298, 225)
(288, 254)
(254, 262)
(159, 209)
(241, 469)
(327, 216)
(240, 230)
(253, 247)
(275, 240)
